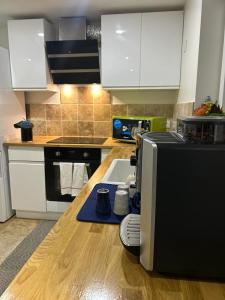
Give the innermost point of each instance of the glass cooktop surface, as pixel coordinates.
(77, 140)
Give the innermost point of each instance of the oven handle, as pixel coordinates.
(57, 164)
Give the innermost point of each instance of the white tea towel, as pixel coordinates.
(66, 177)
(80, 177)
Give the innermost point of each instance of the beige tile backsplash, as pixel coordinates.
(69, 128)
(69, 112)
(86, 113)
(182, 110)
(53, 127)
(37, 111)
(102, 112)
(86, 128)
(53, 112)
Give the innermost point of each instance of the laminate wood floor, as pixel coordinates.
(12, 232)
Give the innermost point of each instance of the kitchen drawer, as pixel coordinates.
(26, 153)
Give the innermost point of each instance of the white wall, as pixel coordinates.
(42, 97)
(211, 47)
(190, 50)
(4, 35)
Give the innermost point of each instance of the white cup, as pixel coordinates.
(121, 203)
(123, 187)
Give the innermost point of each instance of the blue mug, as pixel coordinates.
(103, 205)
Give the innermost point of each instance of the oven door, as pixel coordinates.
(53, 157)
(53, 187)
(56, 202)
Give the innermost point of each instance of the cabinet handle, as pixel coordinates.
(58, 163)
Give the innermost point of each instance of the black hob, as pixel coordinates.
(77, 140)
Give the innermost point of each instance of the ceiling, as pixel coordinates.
(52, 9)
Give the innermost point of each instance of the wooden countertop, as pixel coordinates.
(79, 260)
(41, 141)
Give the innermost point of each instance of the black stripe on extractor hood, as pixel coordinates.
(78, 78)
(68, 47)
(73, 63)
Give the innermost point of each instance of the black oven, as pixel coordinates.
(54, 155)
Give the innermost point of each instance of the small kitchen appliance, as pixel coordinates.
(182, 224)
(202, 130)
(26, 130)
(122, 126)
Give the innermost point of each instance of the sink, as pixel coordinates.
(118, 171)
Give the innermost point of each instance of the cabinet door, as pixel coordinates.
(27, 182)
(121, 50)
(161, 41)
(27, 53)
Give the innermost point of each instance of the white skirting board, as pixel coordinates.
(57, 207)
(37, 215)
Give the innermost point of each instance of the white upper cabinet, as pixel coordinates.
(121, 35)
(161, 41)
(142, 49)
(29, 66)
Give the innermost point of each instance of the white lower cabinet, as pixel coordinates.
(27, 183)
(27, 180)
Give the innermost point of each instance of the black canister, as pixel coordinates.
(26, 130)
(103, 206)
(26, 134)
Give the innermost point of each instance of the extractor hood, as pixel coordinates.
(73, 59)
